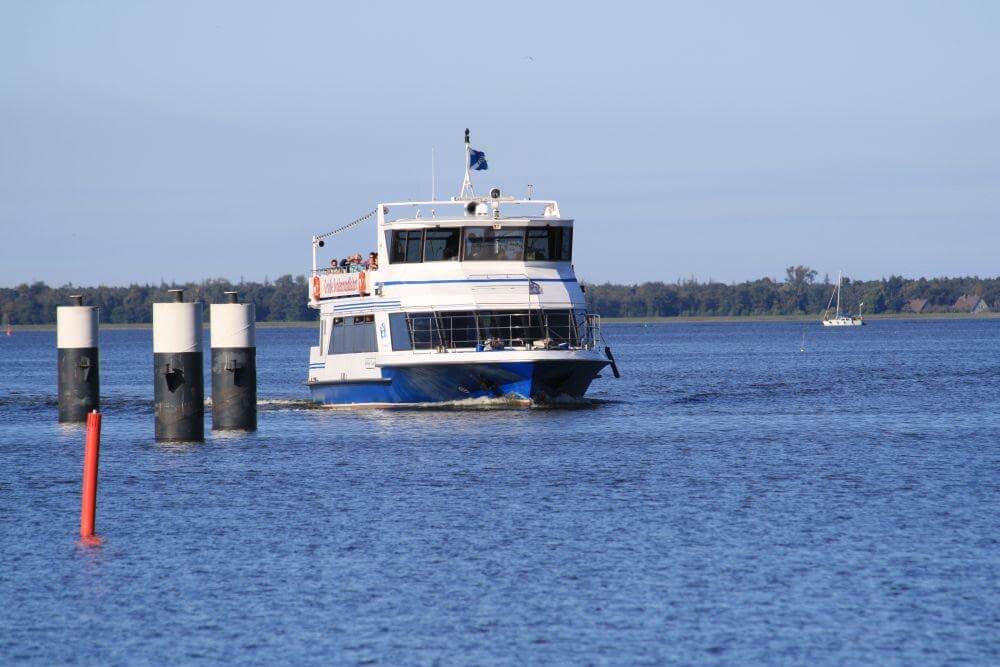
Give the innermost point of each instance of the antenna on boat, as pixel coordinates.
(433, 184)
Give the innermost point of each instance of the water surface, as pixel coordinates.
(730, 500)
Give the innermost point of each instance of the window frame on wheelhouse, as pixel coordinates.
(514, 243)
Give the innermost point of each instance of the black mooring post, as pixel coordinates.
(178, 378)
(78, 380)
(234, 365)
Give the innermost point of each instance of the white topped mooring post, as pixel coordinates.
(79, 379)
(234, 365)
(178, 379)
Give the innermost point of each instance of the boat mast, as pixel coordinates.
(467, 181)
(838, 292)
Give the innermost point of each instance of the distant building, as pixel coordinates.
(915, 305)
(970, 303)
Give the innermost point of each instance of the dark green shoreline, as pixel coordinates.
(680, 319)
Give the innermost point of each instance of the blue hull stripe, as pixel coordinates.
(366, 305)
(437, 383)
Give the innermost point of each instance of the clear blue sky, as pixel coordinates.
(185, 140)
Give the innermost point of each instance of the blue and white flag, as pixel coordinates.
(477, 160)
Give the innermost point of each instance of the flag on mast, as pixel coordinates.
(477, 160)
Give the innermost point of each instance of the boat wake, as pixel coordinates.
(509, 402)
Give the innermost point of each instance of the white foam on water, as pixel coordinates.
(508, 402)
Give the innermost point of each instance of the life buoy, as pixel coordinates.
(361, 283)
(315, 288)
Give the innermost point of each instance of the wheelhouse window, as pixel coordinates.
(549, 244)
(488, 244)
(532, 244)
(406, 246)
(441, 245)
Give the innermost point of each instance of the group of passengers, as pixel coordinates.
(355, 263)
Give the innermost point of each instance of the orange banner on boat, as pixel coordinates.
(332, 285)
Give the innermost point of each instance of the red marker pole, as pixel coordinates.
(88, 506)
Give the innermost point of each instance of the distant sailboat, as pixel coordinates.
(840, 319)
(6, 325)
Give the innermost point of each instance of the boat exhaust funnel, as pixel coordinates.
(178, 379)
(78, 367)
(234, 365)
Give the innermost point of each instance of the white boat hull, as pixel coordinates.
(844, 322)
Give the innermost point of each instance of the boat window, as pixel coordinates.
(536, 329)
(405, 246)
(567, 243)
(441, 245)
(352, 335)
(561, 326)
(512, 328)
(424, 333)
(486, 243)
(537, 247)
(458, 329)
(398, 332)
(549, 244)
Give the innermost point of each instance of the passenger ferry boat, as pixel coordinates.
(471, 297)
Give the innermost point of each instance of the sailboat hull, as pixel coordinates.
(844, 322)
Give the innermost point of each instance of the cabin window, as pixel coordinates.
(399, 332)
(517, 328)
(561, 326)
(424, 332)
(468, 329)
(458, 329)
(488, 244)
(441, 245)
(352, 335)
(406, 246)
(549, 244)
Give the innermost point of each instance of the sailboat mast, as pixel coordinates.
(838, 293)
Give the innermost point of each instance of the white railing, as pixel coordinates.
(503, 330)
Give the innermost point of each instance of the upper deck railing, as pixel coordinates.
(471, 208)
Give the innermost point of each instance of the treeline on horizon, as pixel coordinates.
(285, 299)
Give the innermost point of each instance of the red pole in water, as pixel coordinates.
(88, 506)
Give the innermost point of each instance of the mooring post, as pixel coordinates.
(234, 365)
(91, 458)
(78, 377)
(178, 379)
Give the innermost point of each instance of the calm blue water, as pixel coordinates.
(731, 500)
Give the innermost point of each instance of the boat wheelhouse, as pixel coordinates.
(470, 297)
